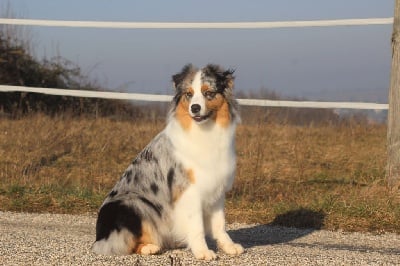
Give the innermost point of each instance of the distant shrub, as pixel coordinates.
(18, 67)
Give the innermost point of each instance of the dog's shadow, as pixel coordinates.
(284, 228)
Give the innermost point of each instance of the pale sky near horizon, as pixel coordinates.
(335, 63)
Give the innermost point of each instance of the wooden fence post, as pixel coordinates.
(393, 133)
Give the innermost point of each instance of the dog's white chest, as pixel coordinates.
(210, 155)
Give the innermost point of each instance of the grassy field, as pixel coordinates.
(327, 176)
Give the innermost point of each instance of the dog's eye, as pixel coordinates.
(188, 95)
(210, 94)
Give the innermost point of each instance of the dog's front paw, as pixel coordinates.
(206, 254)
(232, 248)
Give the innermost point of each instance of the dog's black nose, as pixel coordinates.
(195, 108)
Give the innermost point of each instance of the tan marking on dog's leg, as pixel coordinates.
(132, 244)
(191, 176)
(176, 194)
(147, 244)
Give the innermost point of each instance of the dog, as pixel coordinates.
(172, 195)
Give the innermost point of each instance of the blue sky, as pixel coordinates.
(335, 63)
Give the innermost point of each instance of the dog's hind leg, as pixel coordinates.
(118, 229)
(147, 243)
(117, 243)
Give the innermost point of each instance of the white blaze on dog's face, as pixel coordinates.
(197, 102)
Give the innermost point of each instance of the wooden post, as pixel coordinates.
(393, 134)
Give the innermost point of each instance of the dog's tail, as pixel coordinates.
(118, 229)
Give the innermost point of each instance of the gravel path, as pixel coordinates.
(49, 239)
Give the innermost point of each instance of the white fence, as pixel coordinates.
(218, 25)
(198, 25)
(168, 98)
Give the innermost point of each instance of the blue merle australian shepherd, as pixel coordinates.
(173, 193)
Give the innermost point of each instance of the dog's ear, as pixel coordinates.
(224, 78)
(228, 78)
(178, 78)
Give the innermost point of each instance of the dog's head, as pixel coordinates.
(204, 95)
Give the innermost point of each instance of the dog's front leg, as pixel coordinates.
(189, 224)
(216, 226)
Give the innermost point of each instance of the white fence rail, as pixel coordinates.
(168, 98)
(199, 25)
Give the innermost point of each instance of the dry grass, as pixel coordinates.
(320, 176)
